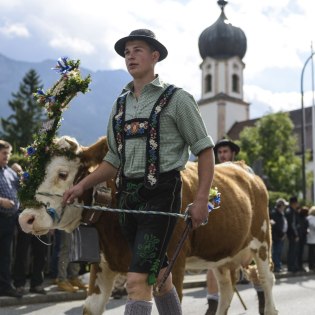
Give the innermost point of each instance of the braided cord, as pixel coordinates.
(183, 216)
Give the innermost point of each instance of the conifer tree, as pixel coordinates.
(19, 127)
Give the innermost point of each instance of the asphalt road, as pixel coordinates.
(293, 296)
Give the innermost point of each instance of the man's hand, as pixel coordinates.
(17, 168)
(7, 203)
(199, 213)
(71, 194)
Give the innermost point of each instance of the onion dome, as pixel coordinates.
(222, 39)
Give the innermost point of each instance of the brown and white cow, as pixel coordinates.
(236, 233)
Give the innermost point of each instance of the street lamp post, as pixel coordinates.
(303, 130)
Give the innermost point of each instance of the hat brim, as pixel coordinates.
(234, 147)
(121, 43)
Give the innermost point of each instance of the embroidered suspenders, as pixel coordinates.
(139, 128)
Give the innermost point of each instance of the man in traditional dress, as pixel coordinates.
(152, 127)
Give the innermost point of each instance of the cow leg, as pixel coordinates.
(223, 276)
(178, 274)
(100, 288)
(266, 279)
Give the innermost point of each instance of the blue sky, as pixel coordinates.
(279, 35)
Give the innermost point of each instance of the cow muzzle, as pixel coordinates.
(36, 222)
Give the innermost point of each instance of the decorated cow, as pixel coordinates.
(237, 233)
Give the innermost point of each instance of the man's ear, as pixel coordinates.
(156, 55)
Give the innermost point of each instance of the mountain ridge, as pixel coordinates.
(87, 115)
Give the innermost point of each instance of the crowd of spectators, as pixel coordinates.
(293, 225)
(25, 256)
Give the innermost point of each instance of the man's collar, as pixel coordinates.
(156, 82)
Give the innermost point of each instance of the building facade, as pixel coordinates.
(222, 47)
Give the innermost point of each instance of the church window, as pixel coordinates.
(208, 83)
(235, 83)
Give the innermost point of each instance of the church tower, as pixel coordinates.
(222, 47)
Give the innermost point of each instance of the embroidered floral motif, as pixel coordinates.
(154, 271)
(136, 128)
(152, 168)
(118, 121)
(147, 250)
(118, 130)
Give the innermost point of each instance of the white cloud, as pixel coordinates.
(278, 34)
(278, 101)
(75, 45)
(265, 101)
(14, 30)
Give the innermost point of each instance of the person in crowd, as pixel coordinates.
(311, 238)
(279, 227)
(68, 272)
(292, 234)
(53, 265)
(302, 231)
(38, 255)
(225, 150)
(9, 205)
(151, 129)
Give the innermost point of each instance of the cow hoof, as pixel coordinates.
(212, 307)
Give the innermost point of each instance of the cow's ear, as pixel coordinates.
(94, 154)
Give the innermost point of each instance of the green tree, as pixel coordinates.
(273, 143)
(19, 127)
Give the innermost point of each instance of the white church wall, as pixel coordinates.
(235, 113)
(209, 115)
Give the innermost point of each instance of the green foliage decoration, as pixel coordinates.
(55, 100)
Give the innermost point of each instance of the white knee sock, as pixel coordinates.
(214, 296)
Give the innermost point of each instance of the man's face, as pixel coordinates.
(139, 58)
(4, 156)
(225, 154)
(281, 207)
(295, 205)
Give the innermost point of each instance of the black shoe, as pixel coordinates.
(11, 292)
(21, 290)
(212, 307)
(38, 290)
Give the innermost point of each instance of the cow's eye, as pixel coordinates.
(63, 175)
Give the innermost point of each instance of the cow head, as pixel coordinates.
(60, 174)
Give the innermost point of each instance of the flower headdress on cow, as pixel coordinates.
(55, 100)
